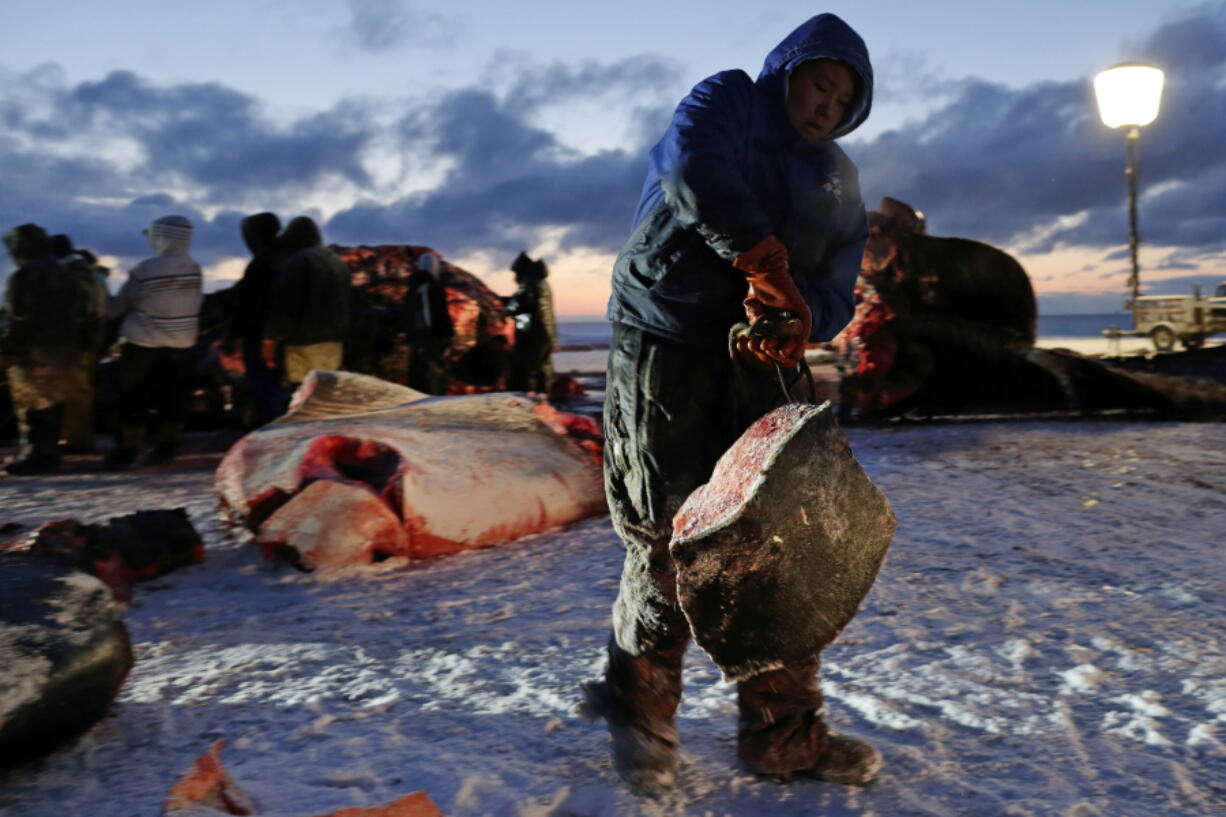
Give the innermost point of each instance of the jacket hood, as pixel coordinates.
(430, 264)
(300, 234)
(170, 235)
(27, 243)
(526, 269)
(260, 233)
(61, 246)
(825, 36)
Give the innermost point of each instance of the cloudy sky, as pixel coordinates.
(482, 128)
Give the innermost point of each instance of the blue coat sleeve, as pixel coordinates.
(834, 290)
(830, 293)
(700, 164)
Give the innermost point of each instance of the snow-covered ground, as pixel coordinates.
(1046, 638)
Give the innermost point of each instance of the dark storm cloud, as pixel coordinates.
(537, 85)
(216, 137)
(378, 25)
(1175, 264)
(509, 178)
(997, 163)
(199, 135)
(114, 228)
(92, 201)
(85, 159)
(385, 25)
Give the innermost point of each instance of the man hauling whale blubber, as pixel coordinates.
(750, 211)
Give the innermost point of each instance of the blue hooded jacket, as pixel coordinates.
(732, 170)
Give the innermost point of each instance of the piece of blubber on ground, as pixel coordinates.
(332, 524)
(775, 553)
(124, 549)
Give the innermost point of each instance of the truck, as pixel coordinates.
(1188, 319)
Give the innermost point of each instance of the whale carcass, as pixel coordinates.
(946, 326)
(361, 470)
(65, 653)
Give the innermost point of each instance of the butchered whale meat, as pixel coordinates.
(361, 469)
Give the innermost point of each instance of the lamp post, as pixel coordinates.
(1128, 95)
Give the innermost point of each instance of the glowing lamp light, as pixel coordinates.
(1128, 94)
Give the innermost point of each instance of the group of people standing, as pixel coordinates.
(290, 310)
(53, 329)
(296, 304)
(289, 313)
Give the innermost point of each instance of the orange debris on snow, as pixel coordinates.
(417, 804)
(207, 787)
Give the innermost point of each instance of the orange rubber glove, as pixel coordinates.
(771, 286)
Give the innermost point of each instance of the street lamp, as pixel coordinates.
(1128, 96)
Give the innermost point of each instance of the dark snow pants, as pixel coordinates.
(531, 363)
(153, 379)
(670, 412)
(38, 386)
(268, 397)
(428, 365)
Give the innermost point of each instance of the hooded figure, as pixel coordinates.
(428, 325)
(535, 328)
(39, 335)
(749, 210)
(160, 308)
(91, 280)
(250, 301)
(309, 314)
(78, 430)
(160, 302)
(252, 295)
(40, 304)
(731, 171)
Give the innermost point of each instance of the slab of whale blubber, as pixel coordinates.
(775, 553)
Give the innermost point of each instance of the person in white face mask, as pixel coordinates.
(160, 307)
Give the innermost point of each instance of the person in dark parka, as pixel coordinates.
(428, 325)
(309, 315)
(78, 428)
(535, 328)
(250, 301)
(749, 207)
(39, 340)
